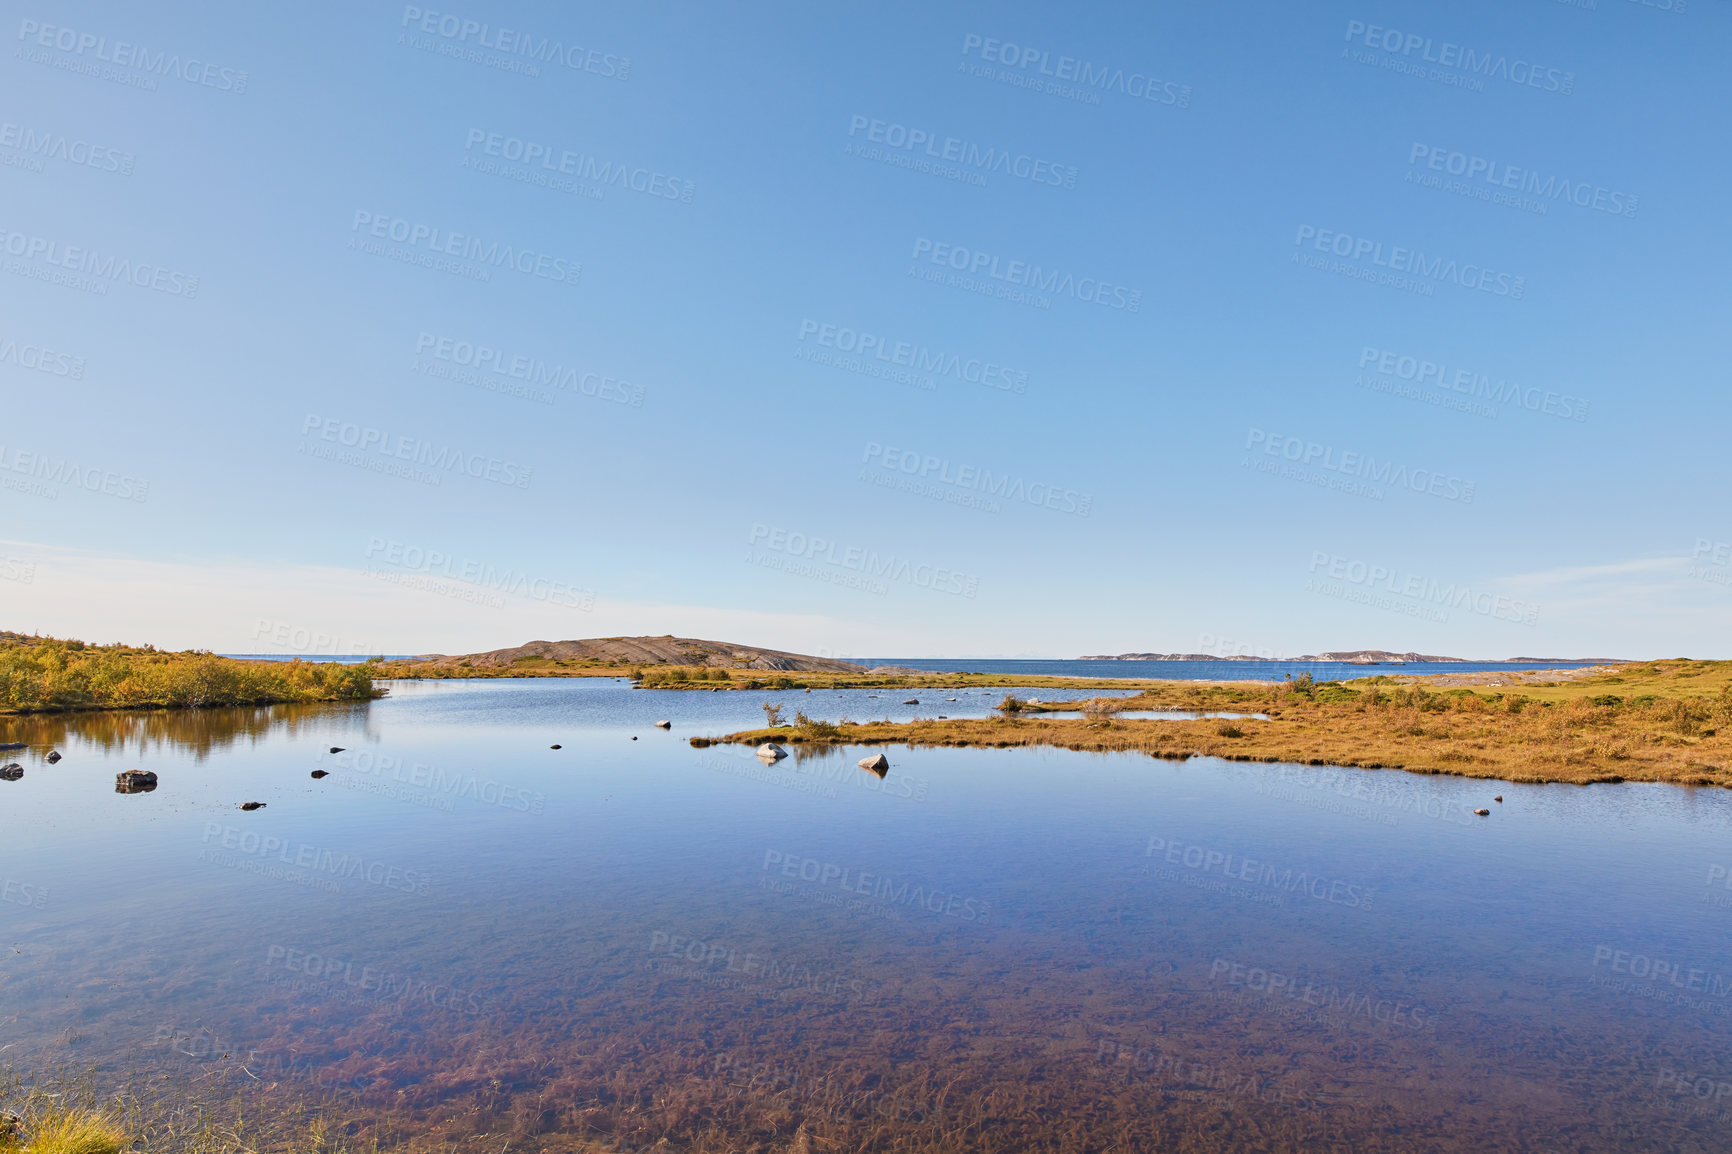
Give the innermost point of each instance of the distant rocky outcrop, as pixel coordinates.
(668, 650)
(1348, 656)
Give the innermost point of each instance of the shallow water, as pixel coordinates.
(463, 933)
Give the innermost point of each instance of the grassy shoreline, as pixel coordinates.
(715, 678)
(46, 675)
(1664, 721)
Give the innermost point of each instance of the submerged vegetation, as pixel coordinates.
(42, 674)
(1670, 721)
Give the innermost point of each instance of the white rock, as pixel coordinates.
(770, 751)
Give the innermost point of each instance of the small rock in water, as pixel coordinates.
(912, 701)
(1498, 798)
(12, 744)
(249, 806)
(664, 725)
(11, 771)
(336, 749)
(1482, 812)
(555, 747)
(53, 756)
(318, 773)
(634, 739)
(875, 763)
(134, 781)
(770, 751)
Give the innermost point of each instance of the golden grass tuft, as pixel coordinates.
(73, 1131)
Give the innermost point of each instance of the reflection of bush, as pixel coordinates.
(41, 675)
(199, 732)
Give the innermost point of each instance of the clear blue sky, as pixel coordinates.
(1428, 250)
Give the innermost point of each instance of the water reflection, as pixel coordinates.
(197, 733)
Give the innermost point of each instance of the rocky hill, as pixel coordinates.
(652, 651)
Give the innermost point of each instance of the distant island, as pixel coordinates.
(1346, 657)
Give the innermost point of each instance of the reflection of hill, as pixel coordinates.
(200, 732)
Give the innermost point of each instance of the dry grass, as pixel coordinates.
(72, 1131)
(1668, 721)
(75, 1111)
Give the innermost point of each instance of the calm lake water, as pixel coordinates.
(471, 940)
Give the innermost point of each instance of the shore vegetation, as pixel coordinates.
(46, 674)
(1661, 721)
